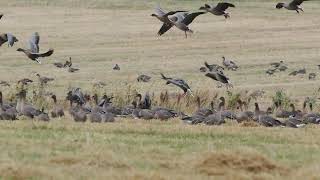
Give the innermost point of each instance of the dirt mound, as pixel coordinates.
(226, 163)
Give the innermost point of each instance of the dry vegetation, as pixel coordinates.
(99, 34)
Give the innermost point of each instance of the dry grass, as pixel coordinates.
(99, 34)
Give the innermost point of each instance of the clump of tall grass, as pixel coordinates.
(282, 99)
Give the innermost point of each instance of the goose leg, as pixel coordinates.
(297, 11)
(185, 32)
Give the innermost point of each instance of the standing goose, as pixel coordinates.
(44, 80)
(293, 5)
(230, 65)
(57, 111)
(182, 21)
(216, 118)
(25, 109)
(8, 37)
(204, 111)
(178, 82)
(243, 115)
(7, 113)
(219, 10)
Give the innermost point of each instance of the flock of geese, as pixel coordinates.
(182, 19)
(85, 107)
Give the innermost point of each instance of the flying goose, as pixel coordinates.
(35, 56)
(293, 5)
(178, 82)
(218, 76)
(182, 21)
(218, 10)
(57, 111)
(230, 65)
(214, 67)
(8, 37)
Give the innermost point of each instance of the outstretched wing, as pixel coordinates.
(159, 11)
(190, 17)
(224, 6)
(11, 39)
(164, 28)
(297, 2)
(46, 54)
(34, 42)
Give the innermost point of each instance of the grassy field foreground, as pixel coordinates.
(133, 149)
(98, 34)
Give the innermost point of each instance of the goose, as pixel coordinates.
(276, 64)
(216, 118)
(145, 103)
(108, 107)
(72, 70)
(98, 115)
(271, 71)
(258, 112)
(143, 78)
(312, 76)
(293, 5)
(178, 82)
(214, 67)
(283, 68)
(75, 95)
(35, 56)
(57, 111)
(43, 116)
(43, 79)
(300, 71)
(164, 114)
(7, 112)
(294, 122)
(25, 109)
(243, 115)
(268, 121)
(68, 63)
(1, 15)
(182, 21)
(282, 113)
(145, 114)
(8, 37)
(230, 65)
(204, 111)
(78, 113)
(116, 67)
(194, 119)
(218, 10)
(218, 76)
(224, 112)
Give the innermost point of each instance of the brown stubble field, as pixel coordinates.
(99, 34)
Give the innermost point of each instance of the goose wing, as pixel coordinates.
(218, 77)
(159, 11)
(46, 54)
(11, 39)
(34, 42)
(223, 6)
(190, 17)
(164, 28)
(296, 2)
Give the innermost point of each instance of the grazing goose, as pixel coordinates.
(4, 83)
(268, 121)
(300, 71)
(57, 111)
(276, 64)
(271, 71)
(230, 65)
(214, 67)
(8, 37)
(44, 80)
(143, 78)
(293, 5)
(178, 82)
(218, 76)
(182, 21)
(204, 111)
(312, 76)
(43, 116)
(145, 114)
(35, 56)
(218, 10)
(116, 67)
(294, 122)
(164, 114)
(25, 109)
(7, 112)
(195, 119)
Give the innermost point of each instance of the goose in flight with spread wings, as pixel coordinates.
(218, 10)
